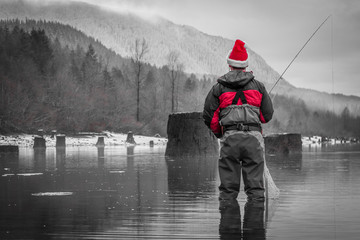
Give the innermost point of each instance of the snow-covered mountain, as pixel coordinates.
(199, 52)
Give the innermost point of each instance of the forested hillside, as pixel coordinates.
(47, 85)
(293, 115)
(67, 36)
(53, 83)
(200, 53)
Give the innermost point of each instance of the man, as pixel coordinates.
(234, 110)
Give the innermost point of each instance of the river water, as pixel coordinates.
(137, 193)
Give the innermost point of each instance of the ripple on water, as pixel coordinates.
(52, 194)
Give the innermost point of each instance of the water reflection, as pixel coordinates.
(101, 157)
(130, 158)
(9, 163)
(39, 159)
(191, 174)
(230, 222)
(254, 227)
(286, 166)
(110, 186)
(292, 161)
(60, 159)
(137, 193)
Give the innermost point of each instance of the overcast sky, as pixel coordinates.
(277, 29)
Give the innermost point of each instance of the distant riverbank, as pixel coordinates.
(81, 139)
(115, 139)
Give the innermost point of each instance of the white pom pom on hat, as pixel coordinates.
(238, 56)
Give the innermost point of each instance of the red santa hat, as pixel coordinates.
(238, 56)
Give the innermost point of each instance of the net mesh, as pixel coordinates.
(272, 191)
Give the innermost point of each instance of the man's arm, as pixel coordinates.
(266, 108)
(211, 112)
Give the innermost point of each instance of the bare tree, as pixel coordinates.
(175, 67)
(138, 53)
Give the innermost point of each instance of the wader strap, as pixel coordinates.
(244, 127)
(239, 94)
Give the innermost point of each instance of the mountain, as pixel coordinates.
(201, 53)
(70, 37)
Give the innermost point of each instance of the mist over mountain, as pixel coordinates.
(199, 52)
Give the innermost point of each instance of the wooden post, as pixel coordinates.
(53, 133)
(41, 132)
(100, 142)
(39, 142)
(130, 138)
(189, 136)
(60, 141)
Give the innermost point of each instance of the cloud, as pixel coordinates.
(136, 7)
(140, 8)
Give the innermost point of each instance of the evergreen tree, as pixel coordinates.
(90, 69)
(345, 119)
(41, 51)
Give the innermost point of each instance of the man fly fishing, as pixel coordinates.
(234, 109)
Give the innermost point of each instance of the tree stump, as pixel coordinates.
(283, 143)
(100, 142)
(39, 142)
(53, 133)
(130, 138)
(189, 136)
(60, 141)
(40, 132)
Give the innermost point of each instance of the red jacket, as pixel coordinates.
(218, 107)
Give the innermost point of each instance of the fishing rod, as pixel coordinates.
(299, 52)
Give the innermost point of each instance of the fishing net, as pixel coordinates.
(271, 190)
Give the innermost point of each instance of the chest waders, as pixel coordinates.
(242, 154)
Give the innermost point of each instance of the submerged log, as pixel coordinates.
(283, 143)
(188, 136)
